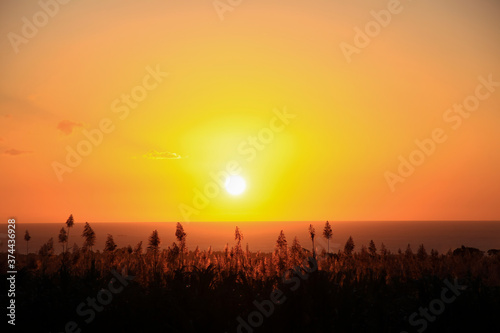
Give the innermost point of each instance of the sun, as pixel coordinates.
(235, 185)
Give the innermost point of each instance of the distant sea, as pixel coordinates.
(261, 236)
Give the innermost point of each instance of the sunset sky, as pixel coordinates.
(264, 89)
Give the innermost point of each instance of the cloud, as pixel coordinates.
(15, 152)
(67, 126)
(156, 155)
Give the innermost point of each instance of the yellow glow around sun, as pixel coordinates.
(235, 185)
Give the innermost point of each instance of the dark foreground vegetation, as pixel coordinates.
(153, 289)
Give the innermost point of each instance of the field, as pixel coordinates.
(150, 287)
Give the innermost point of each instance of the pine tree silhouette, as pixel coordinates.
(327, 233)
(312, 233)
(349, 246)
(63, 238)
(89, 236)
(69, 224)
(153, 247)
(27, 238)
(181, 238)
(110, 245)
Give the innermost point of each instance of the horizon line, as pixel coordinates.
(263, 221)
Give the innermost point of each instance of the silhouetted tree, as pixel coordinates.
(88, 235)
(421, 253)
(154, 241)
(153, 247)
(27, 238)
(63, 238)
(281, 253)
(181, 238)
(110, 245)
(349, 246)
(312, 233)
(69, 223)
(281, 243)
(238, 236)
(372, 248)
(327, 233)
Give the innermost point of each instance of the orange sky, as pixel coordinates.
(231, 80)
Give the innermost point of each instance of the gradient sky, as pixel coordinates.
(226, 79)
